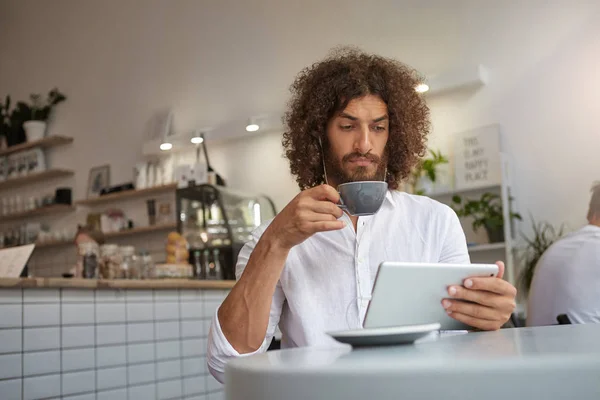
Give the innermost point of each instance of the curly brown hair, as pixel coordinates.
(325, 88)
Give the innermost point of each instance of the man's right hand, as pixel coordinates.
(313, 210)
(244, 315)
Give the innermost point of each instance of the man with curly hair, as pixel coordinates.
(352, 117)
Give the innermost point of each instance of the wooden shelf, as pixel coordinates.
(32, 178)
(128, 194)
(487, 247)
(44, 244)
(52, 209)
(54, 243)
(129, 232)
(141, 230)
(50, 141)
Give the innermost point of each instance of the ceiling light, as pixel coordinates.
(252, 125)
(198, 138)
(422, 88)
(166, 146)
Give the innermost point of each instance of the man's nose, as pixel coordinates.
(363, 140)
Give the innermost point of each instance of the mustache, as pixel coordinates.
(356, 156)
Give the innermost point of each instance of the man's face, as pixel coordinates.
(357, 138)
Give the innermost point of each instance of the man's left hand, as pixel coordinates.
(489, 301)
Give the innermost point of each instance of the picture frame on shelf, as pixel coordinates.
(99, 178)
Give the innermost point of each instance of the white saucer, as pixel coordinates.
(384, 336)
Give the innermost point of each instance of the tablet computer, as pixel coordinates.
(412, 293)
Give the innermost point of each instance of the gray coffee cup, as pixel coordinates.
(362, 198)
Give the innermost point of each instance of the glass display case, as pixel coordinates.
(216, 222)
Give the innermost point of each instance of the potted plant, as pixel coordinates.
(11, 127)
(544, 234)
(486, 212)
(425, 174)
(34, 116)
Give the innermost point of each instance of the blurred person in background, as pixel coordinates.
(567, 277)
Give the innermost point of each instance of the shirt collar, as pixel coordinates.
(591, 228)
(390, 198)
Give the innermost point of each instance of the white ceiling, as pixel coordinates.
(218, 62)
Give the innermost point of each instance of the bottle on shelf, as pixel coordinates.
(88, 260)
(214, 269)
(208, 266)
(218, 270)
(198, 270)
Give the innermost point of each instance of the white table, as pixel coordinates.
(557, 362)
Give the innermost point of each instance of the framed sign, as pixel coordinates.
(98, 179)
(478, 158)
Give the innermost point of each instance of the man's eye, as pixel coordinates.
(346, 127)
(380, 128)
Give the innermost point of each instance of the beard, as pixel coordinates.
(341, 172)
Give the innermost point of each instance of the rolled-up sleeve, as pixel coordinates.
(219, 350)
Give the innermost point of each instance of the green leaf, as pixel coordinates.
(544, 235)
(428, 166)
(431, 174)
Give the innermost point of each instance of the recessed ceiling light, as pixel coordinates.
(252, 125)
(422, 88)
(197, 138)
(166, 146)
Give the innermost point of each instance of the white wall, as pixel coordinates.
(544, 94)
(254, 165)
(216, 62)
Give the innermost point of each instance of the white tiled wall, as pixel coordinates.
(11, 389)
(79, 344)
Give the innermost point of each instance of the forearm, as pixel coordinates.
(244, 315)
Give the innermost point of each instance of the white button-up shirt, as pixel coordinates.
(567, 280)
(327, 280)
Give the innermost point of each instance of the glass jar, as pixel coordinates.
(146, 265)
(88, 259)
(110, 262)
(129, 263)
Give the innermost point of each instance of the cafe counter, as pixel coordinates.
(77, 283)
(107, 339)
